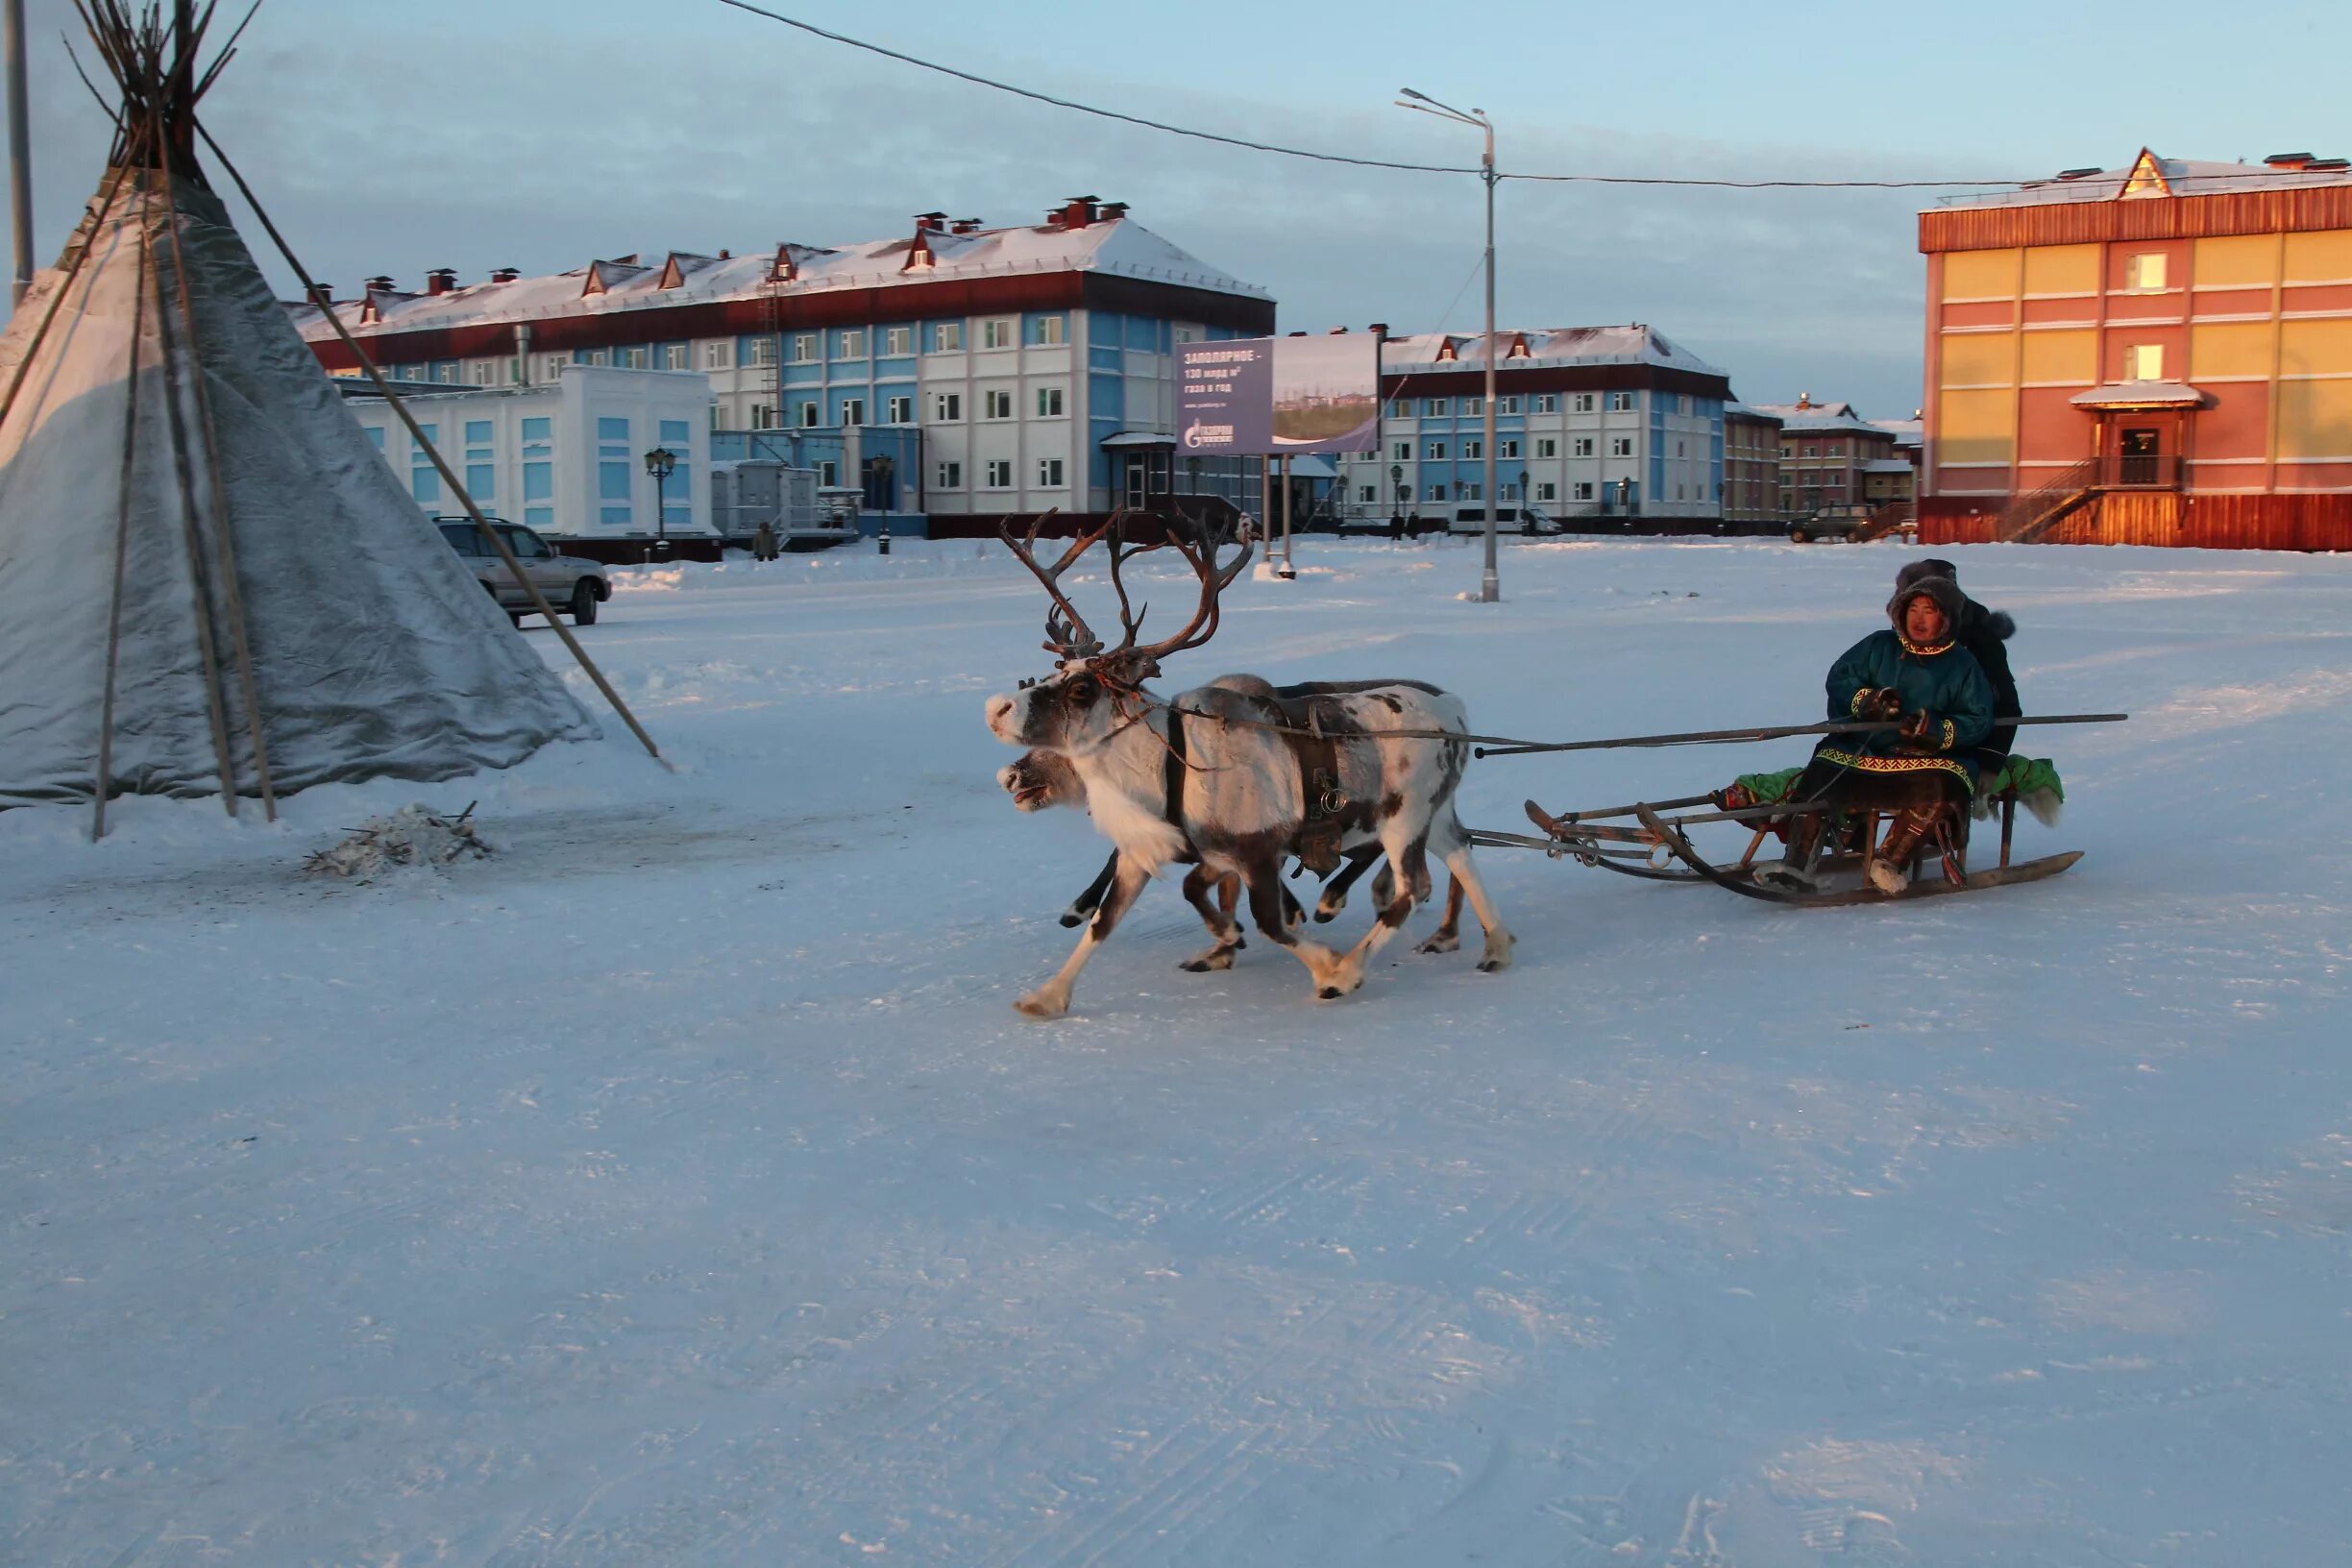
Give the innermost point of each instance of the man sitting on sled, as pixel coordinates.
(1916, 673)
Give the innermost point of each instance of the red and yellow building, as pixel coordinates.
(2155, 354)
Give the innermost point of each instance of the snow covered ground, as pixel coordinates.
(679, 1187)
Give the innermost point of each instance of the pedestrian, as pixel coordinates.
(764, 542)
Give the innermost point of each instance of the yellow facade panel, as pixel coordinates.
(2229, 348)
(2062, 269)
(1976, 426)
(2314, 419)
(2066, 359)
(2236, 261)
(2322, 256)
(1980, 275)
(2318, 347)
(1979, 359)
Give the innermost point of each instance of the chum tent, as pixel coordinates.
(210, 583)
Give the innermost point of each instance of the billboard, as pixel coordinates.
(1275, 395)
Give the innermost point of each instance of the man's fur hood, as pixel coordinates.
(1973, 620)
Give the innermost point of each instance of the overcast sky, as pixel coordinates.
(405, 134)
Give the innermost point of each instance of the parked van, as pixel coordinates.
(1471, 517)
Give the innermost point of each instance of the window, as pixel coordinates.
(634, 357)
(677, 357)
(2144, 362)
(948, 406)
(1620, 402)
(946, 337)
(1365, 492)
(1583, 445)
(1547, 402)
(1584, 490)
(1621, 446)
(1436, 492)
(1049, 473)
(596, 356)
(809, 414)
(1473, 450)
(478, 372)
(612, 482)
(538, 481)
(1507, 405)
(2144, 274)
(1187, 334)
(997, 405)
(950, 476)
(376, 437)
(1546, 490)
(719, 356)
(997, 335)
(1435, 452)
(1472, 492)
(1507, 449)
(763, 351)
(1432, 408)
(1049, 398)
(829, 474)
(1400, 452)
(1001, 473)
(1473, 407)
(1048, 330)
(1401, 409)
(762, 416)
(1507, 492)
(1585, 402)
(853, 411)
(897, 340)
(902, 410)
(805, 347)
(851, 343)
(476, 434)
(553, 369)
(1813, 450)
(1679, 452)
(1547, 446)
(1682, 404)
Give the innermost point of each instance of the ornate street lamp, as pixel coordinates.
(661, 462)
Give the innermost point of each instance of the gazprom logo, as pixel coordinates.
(1197, 434)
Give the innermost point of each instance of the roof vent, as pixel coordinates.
(965, 226)
(2078, 174)
(504, 275)
(930, 222)
(380, 284)
(322, 295)
(2288, 161)
(1112, 211)
(1077, 211)
(2330, 165)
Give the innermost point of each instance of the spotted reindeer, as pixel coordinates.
(1238, 780)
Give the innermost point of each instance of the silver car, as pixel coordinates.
(571, 585)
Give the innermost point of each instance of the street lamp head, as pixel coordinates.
(661, 462)
(1409, 94)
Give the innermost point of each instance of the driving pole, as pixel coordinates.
(20, 153)
(1491, 587)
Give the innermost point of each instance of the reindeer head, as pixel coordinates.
(1096, 692)
(1038, 780)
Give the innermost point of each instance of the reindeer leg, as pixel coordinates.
(1262, 875)
(1223, 928)
(1499, 939)
(1447, 938)
(1091, 900)
(1408, 870)
(1051, 999)
(1335, 898)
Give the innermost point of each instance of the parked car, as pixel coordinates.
(1834, 523)
(1471, 517)
(571, 585)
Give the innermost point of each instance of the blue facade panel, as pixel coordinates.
(894, 368)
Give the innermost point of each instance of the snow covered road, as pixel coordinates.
(679, 1187)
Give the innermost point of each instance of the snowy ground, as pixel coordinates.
(679, 1187)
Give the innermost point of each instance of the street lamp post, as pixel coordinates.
(661, 462)
(1490, 588)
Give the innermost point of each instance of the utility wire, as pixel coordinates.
(1245, 142)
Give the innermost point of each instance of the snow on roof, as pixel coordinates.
(1887, 465)
(1907, 432)
(1113, 245)
(2170, 176)
(1814, 418)
(2140, 395)
(1746, 410)
(1633, 344)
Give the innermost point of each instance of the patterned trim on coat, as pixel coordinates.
(1866, 763)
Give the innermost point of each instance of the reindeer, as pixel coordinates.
(1238, 779)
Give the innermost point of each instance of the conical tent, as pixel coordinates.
(209, 580)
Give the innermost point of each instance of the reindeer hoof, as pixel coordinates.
(1072, 918)
(1324, 917)
(1207, 962)
(1443, 942)
(1330, 993)
(1037, 1006)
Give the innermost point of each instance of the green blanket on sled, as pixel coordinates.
(2027, 775)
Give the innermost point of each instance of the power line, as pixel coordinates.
(1248, 145)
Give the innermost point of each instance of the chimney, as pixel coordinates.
(380, 284)
(1338, 331)
(322, 295)
(441, 280)
(930, 223)
(1379, 328)
(2288, 160)
(504, 275)
(1077, 211)
(1805, 400)
(726, 254)
(1298, 335)
(1112, 211)
(965, 226)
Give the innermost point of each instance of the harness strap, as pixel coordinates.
(1172, 768)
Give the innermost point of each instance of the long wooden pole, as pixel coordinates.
(40, 333)
(122, 553)
(223, 534)
(208, 647)
(1711, 737)
(416, 434)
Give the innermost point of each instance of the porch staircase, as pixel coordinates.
(1894, 514)
(2028, 518)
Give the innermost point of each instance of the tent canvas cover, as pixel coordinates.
(197, 539)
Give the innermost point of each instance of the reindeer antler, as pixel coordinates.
(1066, 632)
(1201, 556)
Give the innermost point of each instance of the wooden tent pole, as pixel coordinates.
(40, 333)
(417, 435)
(223, 534)
(122, 552)
(208, 647)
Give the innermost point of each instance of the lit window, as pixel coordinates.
(1049, 473)
(2144, 362)
(2144, 274)
(1049, 330)
(851, 344)
(946, 337)
(897, 340)
(997, 335)
(1049, 398)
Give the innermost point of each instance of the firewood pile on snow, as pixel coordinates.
(413, 836)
